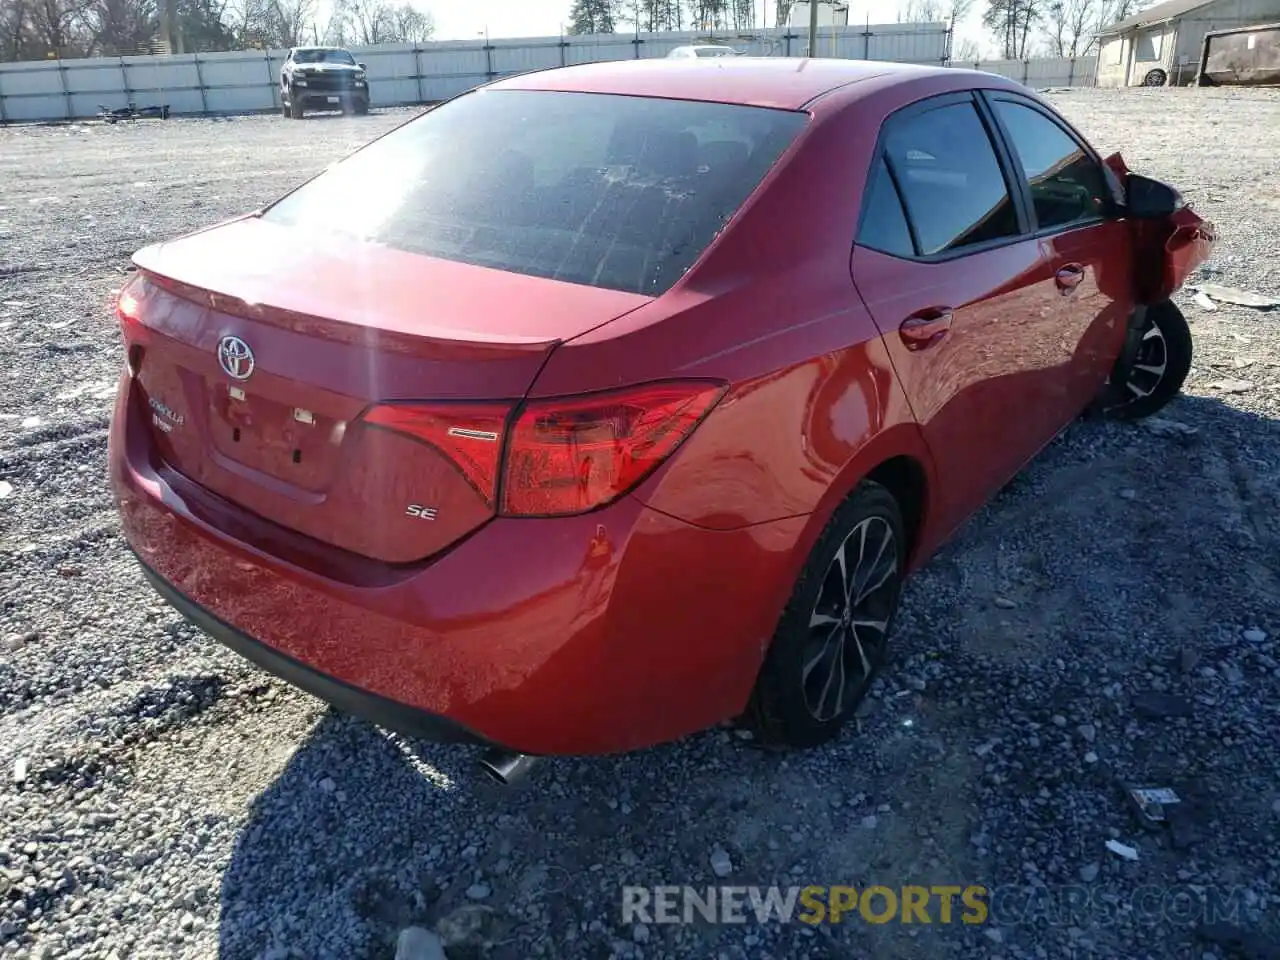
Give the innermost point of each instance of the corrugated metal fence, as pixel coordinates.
(1048, 72)
(247, 81)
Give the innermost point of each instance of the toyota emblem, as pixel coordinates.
(235, 358)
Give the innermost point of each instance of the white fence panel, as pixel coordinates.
(595, 49)
(521, 56)
(247, 81)
(161, 73)
(906, 45)
(1041, 73)
(393, 72)
(95, 76)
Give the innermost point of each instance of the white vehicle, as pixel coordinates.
(703, 50)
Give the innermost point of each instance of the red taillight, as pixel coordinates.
(129, 304)
(129, 313)
(470, 435)
(560, 456)
(567, 456)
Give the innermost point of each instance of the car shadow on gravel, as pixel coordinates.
(363, 833)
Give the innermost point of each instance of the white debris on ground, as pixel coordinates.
(163, 799)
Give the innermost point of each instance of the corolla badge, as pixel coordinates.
(235, 358)
(165, 417)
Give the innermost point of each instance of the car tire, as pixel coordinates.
(1155, 78)
(284, 110)
(362, 108)
(295, 109)
(826, 651)
(1158, 370)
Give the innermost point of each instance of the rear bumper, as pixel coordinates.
(525, 634)
(361, 703)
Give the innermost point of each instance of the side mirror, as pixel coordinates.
(1148, 199)
(363, 67)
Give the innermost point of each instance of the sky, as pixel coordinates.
(459, 20)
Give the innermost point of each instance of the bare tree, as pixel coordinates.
(338, 30)
(1107, 12)
(957, 10)
(121, 27)
(249, 22)
(57, 26)
(1010, 21)
(289, 21)
(411, 25)
(370, 21)
(1068, 26)
(966, 51)
(921, 11)
(709, 14)
(15, 33)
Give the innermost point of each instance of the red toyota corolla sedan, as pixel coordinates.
(602, 404)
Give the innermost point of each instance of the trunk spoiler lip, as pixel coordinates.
(454, 345)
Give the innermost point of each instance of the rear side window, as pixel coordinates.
(884, 224)
(952, 185)
(610, 191)
(1066, 185)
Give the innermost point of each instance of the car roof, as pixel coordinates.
(781, 82)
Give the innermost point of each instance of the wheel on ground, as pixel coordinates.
(1155, 78)
(362, 108)
(832, 637)
(284, 110)
(1159, 368)
(295, 109)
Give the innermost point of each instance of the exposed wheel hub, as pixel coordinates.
(1148, 367)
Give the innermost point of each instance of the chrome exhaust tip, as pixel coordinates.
(507, 768)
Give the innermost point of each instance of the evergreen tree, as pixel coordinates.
(593, 16)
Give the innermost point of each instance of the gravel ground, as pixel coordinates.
(159, 798)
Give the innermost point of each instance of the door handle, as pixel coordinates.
(924, 329)
(1069, 277)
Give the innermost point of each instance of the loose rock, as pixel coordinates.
(721, 864)
(415, 943)
(1157, 705)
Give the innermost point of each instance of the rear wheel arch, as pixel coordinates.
(898, 460)
(894, 467)
(904, 476)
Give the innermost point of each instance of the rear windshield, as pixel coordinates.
(611, 191)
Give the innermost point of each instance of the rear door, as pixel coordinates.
(1089, 247)
(962, 293)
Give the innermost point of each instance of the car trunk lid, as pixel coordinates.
(268, 357)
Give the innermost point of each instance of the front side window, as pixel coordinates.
(952, 185)
(1067, 186)
(611, 191)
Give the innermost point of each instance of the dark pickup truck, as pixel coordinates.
(324, 78)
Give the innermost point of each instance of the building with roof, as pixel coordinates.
(1161, 45)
